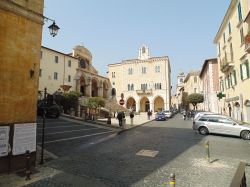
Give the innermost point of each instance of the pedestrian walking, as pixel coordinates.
(148, 114)
(119, 117)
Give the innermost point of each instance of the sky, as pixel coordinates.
(114, 30)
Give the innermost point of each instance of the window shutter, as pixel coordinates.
(235, 80)
(247, 67)
(241, 73)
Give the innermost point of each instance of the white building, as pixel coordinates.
(143, 83)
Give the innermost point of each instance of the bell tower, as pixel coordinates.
(144, 53)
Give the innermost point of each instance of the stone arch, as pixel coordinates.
(105, 89)
(158, 103)
(113, 92)
(94, 88)
(131, 103)
(144, 104)
(237, 111)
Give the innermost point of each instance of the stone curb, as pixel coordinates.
(99, 123)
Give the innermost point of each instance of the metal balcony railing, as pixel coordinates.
(144, 92)
(227, 62)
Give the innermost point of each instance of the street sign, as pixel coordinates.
(121, 102)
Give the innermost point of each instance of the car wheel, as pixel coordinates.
(203, 130)
(245, 135)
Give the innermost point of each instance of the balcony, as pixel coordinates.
(226, 64)
(144, 92)
(247, 43)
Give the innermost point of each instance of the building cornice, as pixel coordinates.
(225, 20)
(15, 8)
(150, 60)
(205, 64)
(58, 52)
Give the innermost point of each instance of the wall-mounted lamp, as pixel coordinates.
(32, 71)
(53, 29)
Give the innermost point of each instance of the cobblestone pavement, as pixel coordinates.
(180, 151)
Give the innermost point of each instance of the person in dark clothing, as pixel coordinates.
(120, 116)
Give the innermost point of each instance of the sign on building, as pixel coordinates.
(24, 138)
(4, 140)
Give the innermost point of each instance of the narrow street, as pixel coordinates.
(179, 150)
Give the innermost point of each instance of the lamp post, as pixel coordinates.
(53, 28)
(43, 128)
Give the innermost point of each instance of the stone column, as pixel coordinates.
(151, 105)
(138, 106)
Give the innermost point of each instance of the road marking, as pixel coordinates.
(68, 131)
(77, 137)
(47, 122)
(61, 126)
(148, 153)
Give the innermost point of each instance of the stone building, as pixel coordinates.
(192, 84)
(143, 83)
(21, 23)
(210, 85)
(72, 72)
(179, 87)
(232, 40)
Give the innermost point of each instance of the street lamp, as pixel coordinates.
(53, 29)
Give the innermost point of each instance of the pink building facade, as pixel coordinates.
(210, 85)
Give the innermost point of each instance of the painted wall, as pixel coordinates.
(21, 24)
(20, 51)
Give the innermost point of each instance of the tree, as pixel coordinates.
(95, 102)
(184, 100)
(194, 99)
(67, 100)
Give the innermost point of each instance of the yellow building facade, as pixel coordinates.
(21, 24)
(192, 84)
(232, 41)
(142, 84)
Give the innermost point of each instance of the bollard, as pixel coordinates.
(172, 180)
(131, 121)
(28, 172)
(207, 151)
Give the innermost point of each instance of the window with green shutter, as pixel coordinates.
(247, 67)
(241, 72)
(235, 79)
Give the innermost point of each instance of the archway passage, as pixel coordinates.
(131, 104)
(83, 86)
(144, 104)
(158, 104)
(113, 92)
(105, 89)
(94, 88)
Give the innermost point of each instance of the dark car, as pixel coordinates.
(52, 110)
(160, 116)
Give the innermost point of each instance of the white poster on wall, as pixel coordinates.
(4, 140)
(24, 138)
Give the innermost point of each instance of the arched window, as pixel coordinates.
(143, 49)
(128, 87)
(113, 92)
(132, 86)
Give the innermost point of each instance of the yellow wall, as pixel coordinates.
(20, 51)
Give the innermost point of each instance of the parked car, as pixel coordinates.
(160, 116)
(198, 114)
(168, 113)
(52, 110)
(221, 124)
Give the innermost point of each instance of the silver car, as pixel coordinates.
(221, 124)
(168, 113)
